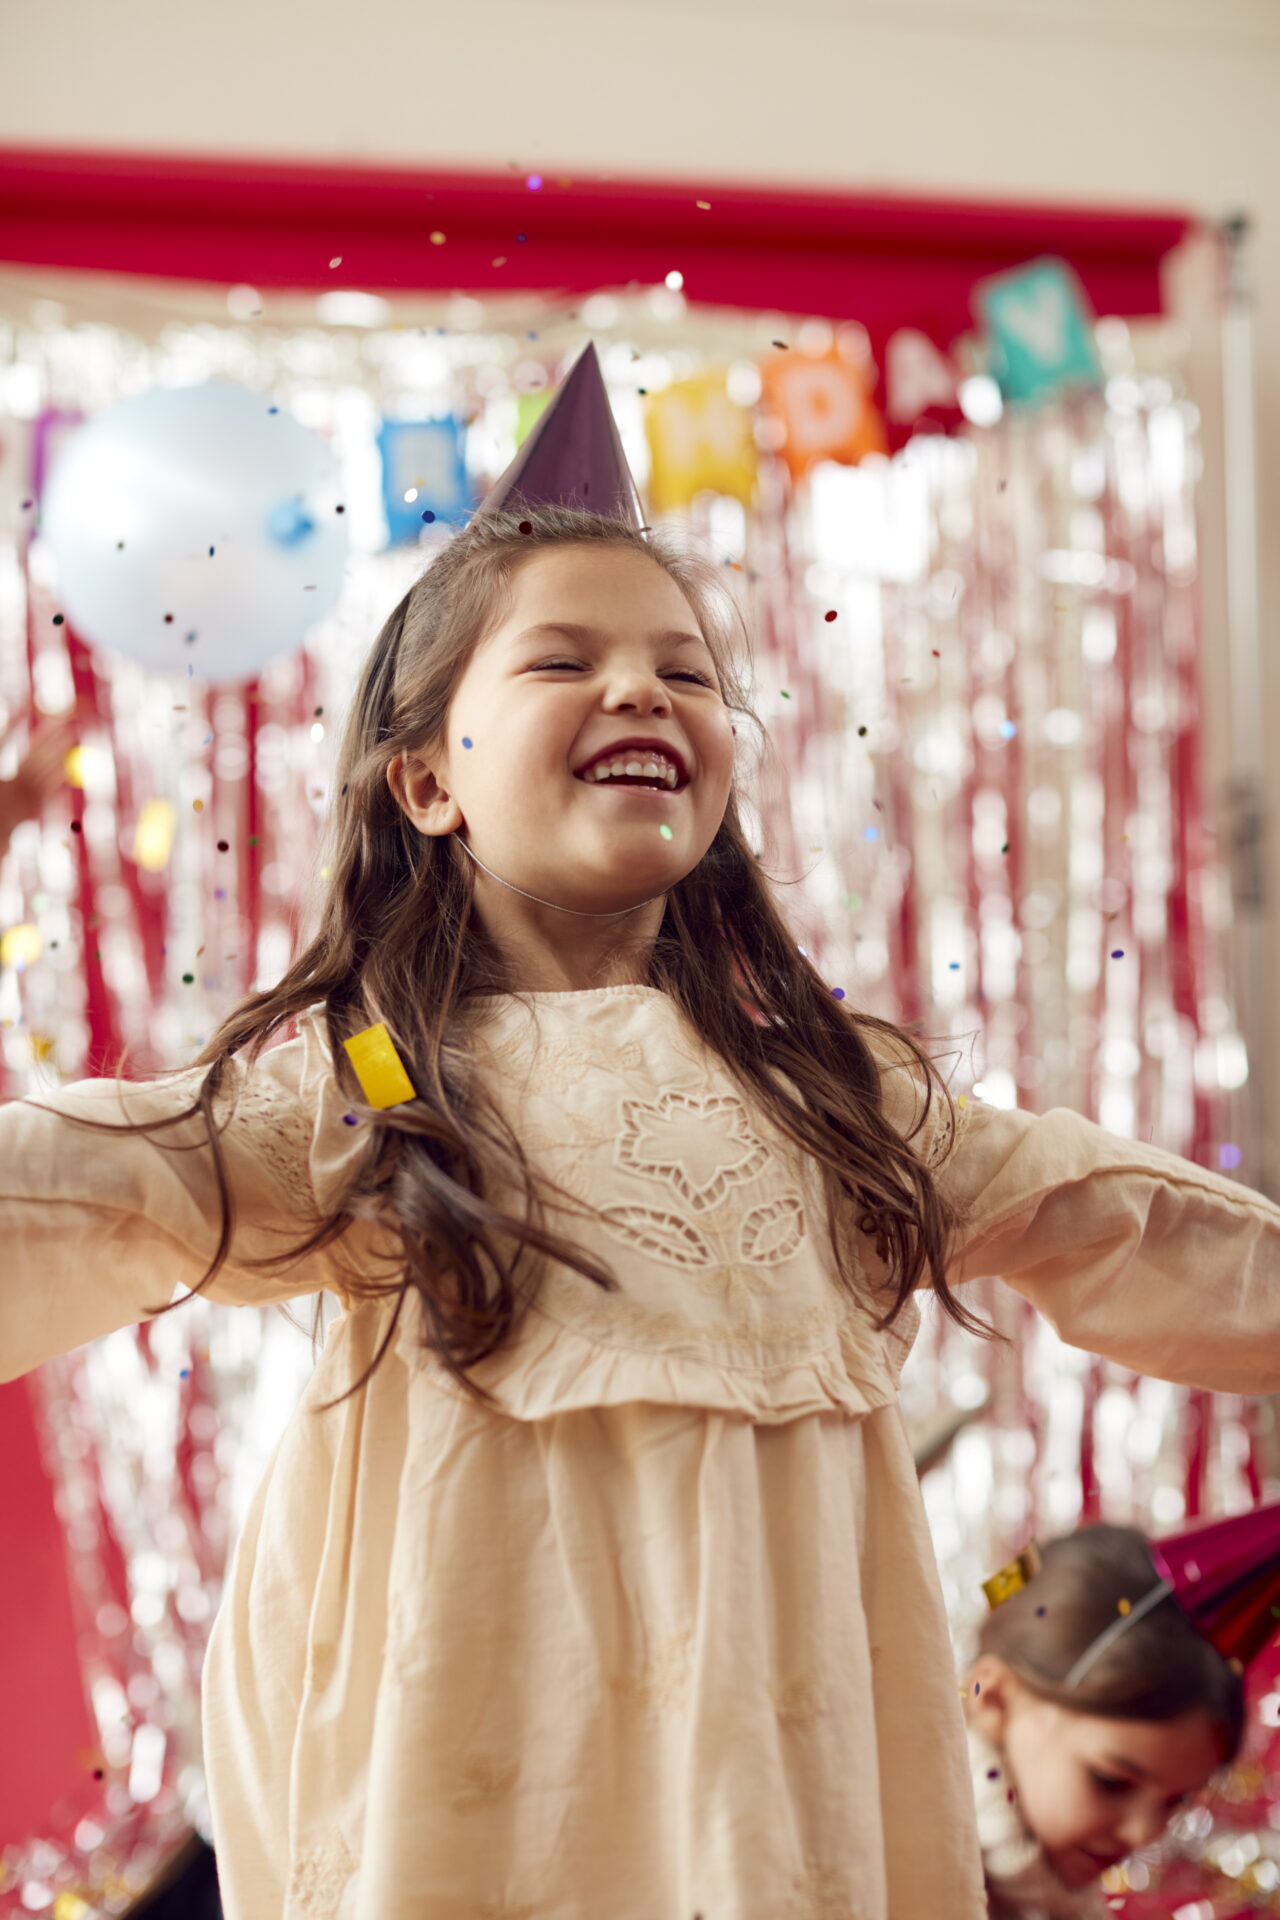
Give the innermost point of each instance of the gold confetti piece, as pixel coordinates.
(963, 1101)
(705, 205)
(20, 946)
(437, 239)
(74, 764)
(379, 1068)
(1011, 1579)
(1124, 1606)
(198, 805)
(153, 839)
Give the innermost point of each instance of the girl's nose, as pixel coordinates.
(639, 690)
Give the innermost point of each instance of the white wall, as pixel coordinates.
(1170, 103)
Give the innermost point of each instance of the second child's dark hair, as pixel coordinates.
(398, 942)
(1160, 1668)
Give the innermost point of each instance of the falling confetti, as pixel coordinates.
(437, 238)
(465, 741)
(703, 206)
(534, 182)
(1117, 953)
(830, 614)
(1229, 1155)
(379, 1068)
(428, 516)
(837, 993)
(1007, 729)
(57, 619)
(665, 831)
(780, 344)
(784, 693)
(336, 261)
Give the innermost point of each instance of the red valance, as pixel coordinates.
(886, 261)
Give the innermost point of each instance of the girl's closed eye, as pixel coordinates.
(680, 673)
(1112, 1783)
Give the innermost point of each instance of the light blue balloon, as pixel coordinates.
(139, 496)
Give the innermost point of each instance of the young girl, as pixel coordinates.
(591, 1580)
(1081, 1749)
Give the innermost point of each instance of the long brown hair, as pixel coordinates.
(398, 942)
(1160, 1668)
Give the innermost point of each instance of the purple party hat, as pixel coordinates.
(1225, 1574)
(573, 456)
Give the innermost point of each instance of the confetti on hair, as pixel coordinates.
(379, 1068)
(837, 993)
(526, 526)
(349, 1120)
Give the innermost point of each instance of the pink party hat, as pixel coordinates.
(1225, 1574)
(573, 456)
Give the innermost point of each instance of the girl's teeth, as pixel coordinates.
(649, 770)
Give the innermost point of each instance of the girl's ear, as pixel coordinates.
(417, 790)
(993, 1688)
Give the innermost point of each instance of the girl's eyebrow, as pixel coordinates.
(673, 637)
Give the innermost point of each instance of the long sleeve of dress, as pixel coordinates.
(1128, 1251)
(100, 1228)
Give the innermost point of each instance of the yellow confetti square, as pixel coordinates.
(379, 1067)
(1011, 1579)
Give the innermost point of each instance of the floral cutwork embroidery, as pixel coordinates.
(772, 1232)
(726, 1150)
(666, 1676)
(277, 1129)
(483, 1781)
(319, 1875)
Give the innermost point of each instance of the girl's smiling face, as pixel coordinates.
(1090, 1789)
(596, 646)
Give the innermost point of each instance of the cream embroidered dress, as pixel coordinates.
(662, 1636)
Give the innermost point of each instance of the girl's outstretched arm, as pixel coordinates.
(100, 1228)
(1128, 1251)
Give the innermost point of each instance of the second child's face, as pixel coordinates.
(596, 646)
(1093, 1790)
